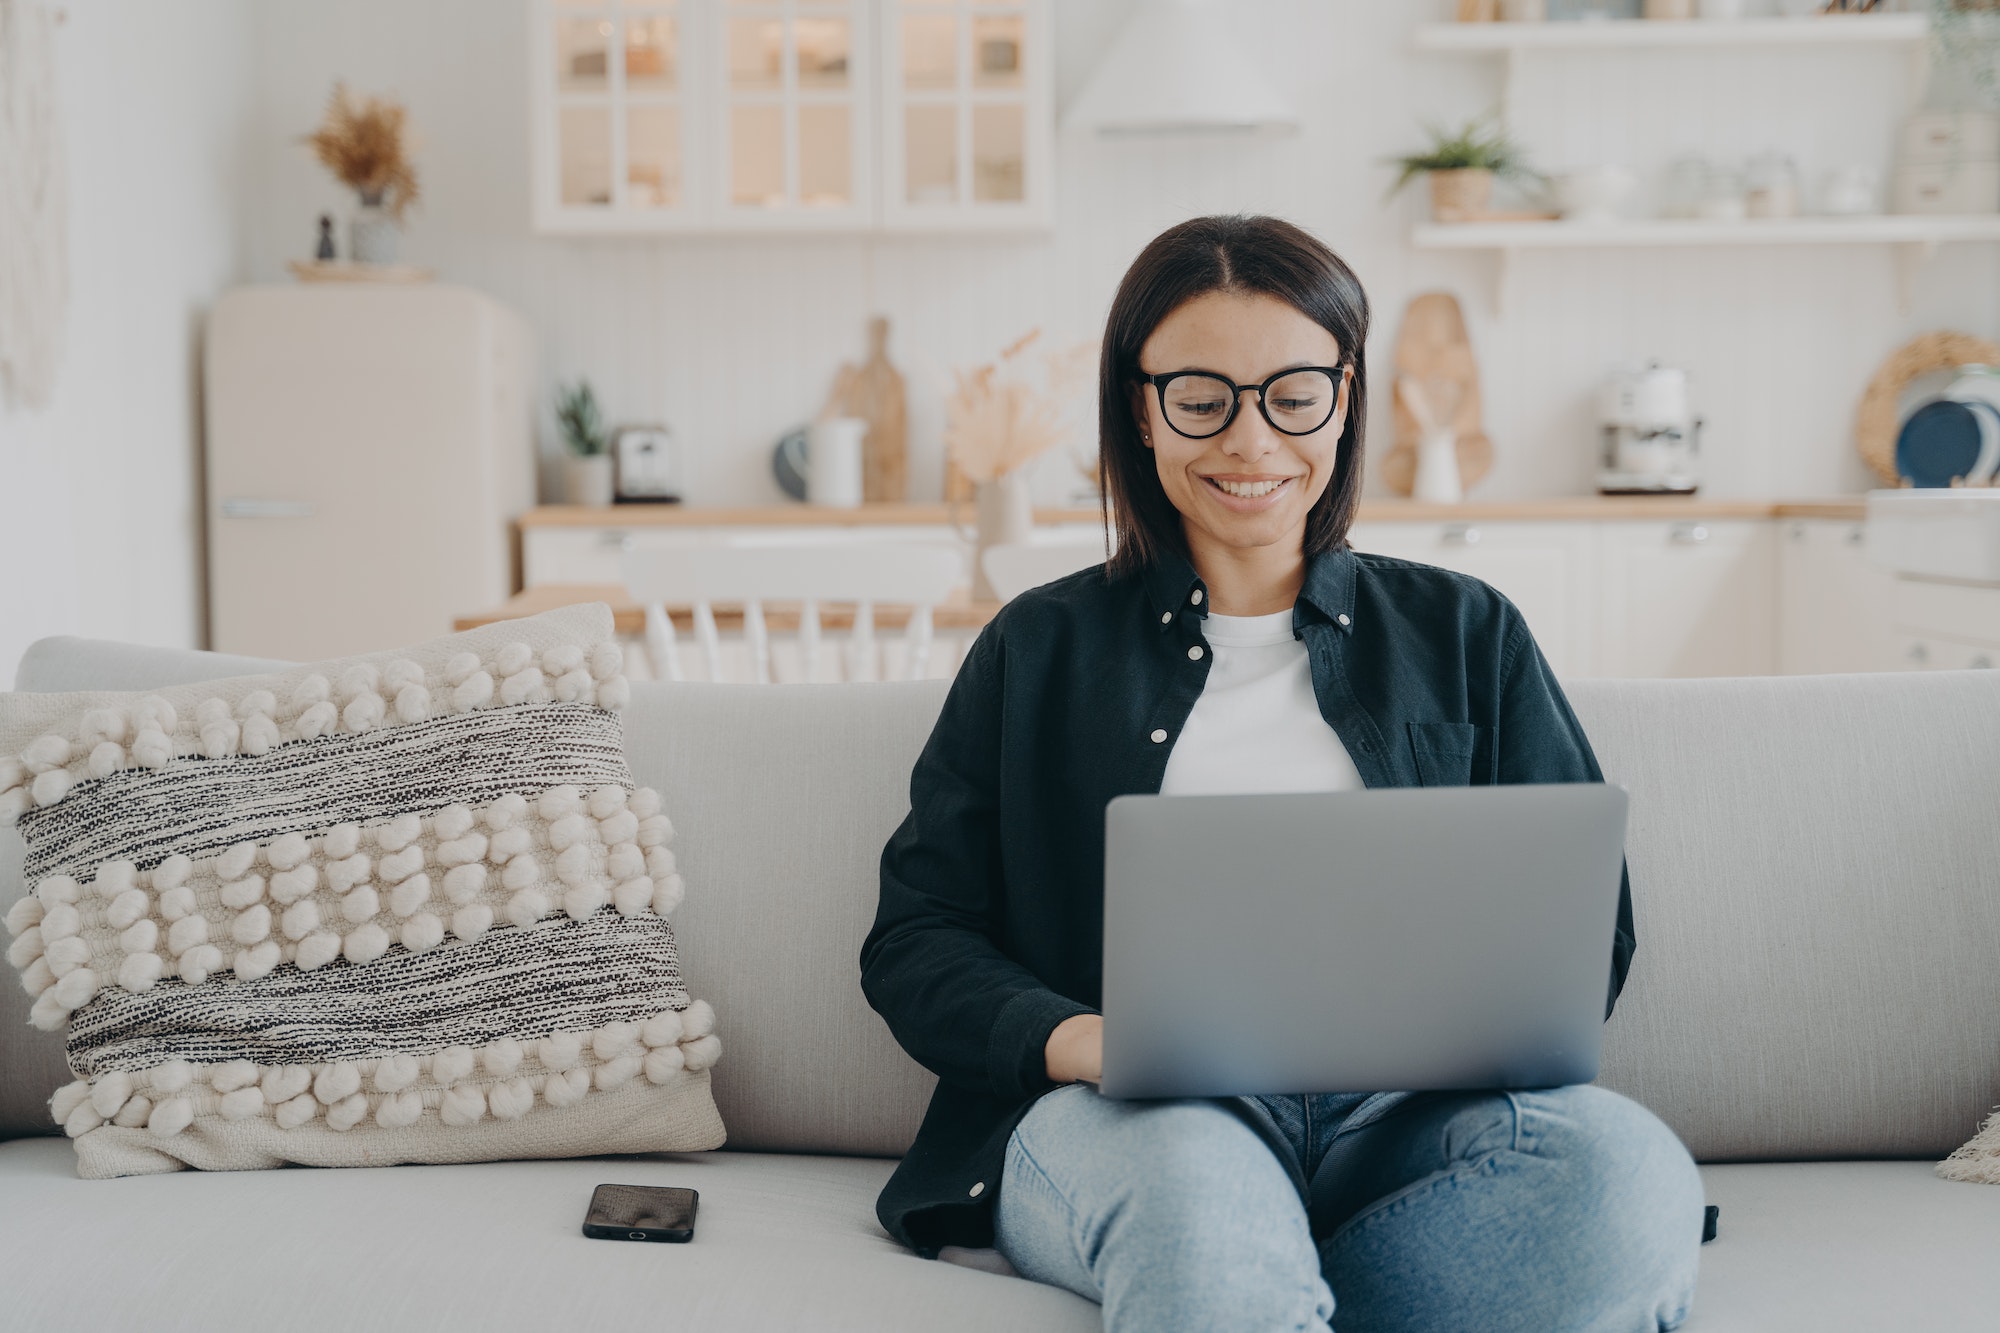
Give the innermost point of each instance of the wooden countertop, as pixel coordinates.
(795, 515)
(1373, 510)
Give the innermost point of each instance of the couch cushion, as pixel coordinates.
(781, 1243)
(1809, 1246)
(785, 795)
(66, 662)
(791, 1242)
(1814, 861)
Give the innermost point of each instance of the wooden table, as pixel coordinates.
(958, 612)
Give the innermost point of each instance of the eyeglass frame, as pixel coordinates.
(1340, 374)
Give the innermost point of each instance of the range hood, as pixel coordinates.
(1179, 67)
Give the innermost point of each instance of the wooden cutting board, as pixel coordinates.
(1433, 345)
(873, 391)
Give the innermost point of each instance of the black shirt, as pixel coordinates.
(990, 928)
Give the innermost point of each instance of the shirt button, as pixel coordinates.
(1195, 597)
(1159, 735)
(1166, 617)
(978, 1188)
(1342, 618)
(1194, 653)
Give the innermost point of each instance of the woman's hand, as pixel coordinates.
(1075, 1050)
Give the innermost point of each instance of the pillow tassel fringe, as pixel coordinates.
(1978, 1159)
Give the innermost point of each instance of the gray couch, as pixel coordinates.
(1815, 1008)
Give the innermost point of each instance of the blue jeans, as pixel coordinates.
(1565, 1208)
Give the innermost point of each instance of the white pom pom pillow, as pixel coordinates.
(397, 908)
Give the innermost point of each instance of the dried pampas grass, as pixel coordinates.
(1004, 415)
(366, 146)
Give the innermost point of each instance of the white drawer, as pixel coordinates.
(1935, 654)
(1946, 187)
(1963, 612)
(1951, 136)
(596, 554)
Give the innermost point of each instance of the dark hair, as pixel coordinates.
(1260, 255)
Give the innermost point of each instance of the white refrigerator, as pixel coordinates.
(369, 447)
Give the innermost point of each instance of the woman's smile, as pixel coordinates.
(1247, 494)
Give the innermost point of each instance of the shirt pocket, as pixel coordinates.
(1452, 754)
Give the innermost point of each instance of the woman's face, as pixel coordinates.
(1250, 485)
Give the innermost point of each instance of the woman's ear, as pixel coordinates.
(1343, 400)
(1137, 399)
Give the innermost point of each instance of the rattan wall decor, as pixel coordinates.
(1877, 420)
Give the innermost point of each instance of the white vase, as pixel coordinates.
(1006, 516)
(588, 480)
(833, 462)
(1438, 481)
(372, 234)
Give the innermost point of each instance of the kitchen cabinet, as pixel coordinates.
(791, 124)
(790, 115)
(564, 545)
(613, 138)
(967, 115)
(597, 555)
(1543, 568)
(1943, 625)
(1686, 598)
(1834, 605)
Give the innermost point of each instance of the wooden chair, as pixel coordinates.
(811, 574)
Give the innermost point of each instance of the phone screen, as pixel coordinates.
(641, 1212)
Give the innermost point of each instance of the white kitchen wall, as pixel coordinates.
(100, 494)
(734, 340)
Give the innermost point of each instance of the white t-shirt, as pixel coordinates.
(1257, 726)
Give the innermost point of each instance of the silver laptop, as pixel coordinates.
(1367, 941)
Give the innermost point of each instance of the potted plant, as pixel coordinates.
(587, 470)
(1462, 165)
(366, 146)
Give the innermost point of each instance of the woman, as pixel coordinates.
(1236, 643)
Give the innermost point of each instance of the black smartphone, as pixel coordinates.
(641, 1212)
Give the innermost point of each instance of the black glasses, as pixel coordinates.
(1199, 404)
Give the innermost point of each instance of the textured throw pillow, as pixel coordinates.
(1978, 1158)
(404, 907)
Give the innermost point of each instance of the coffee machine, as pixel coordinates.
(1650, 438)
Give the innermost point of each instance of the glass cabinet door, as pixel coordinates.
(794, 127)
(775, 115)
(967, 131)
(613, 107)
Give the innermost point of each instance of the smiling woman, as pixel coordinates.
(1236, 645)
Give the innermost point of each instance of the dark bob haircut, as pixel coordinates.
(1253, 255)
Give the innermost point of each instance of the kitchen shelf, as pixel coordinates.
(1916, 238)
(1914, 230)
(1633, 34)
